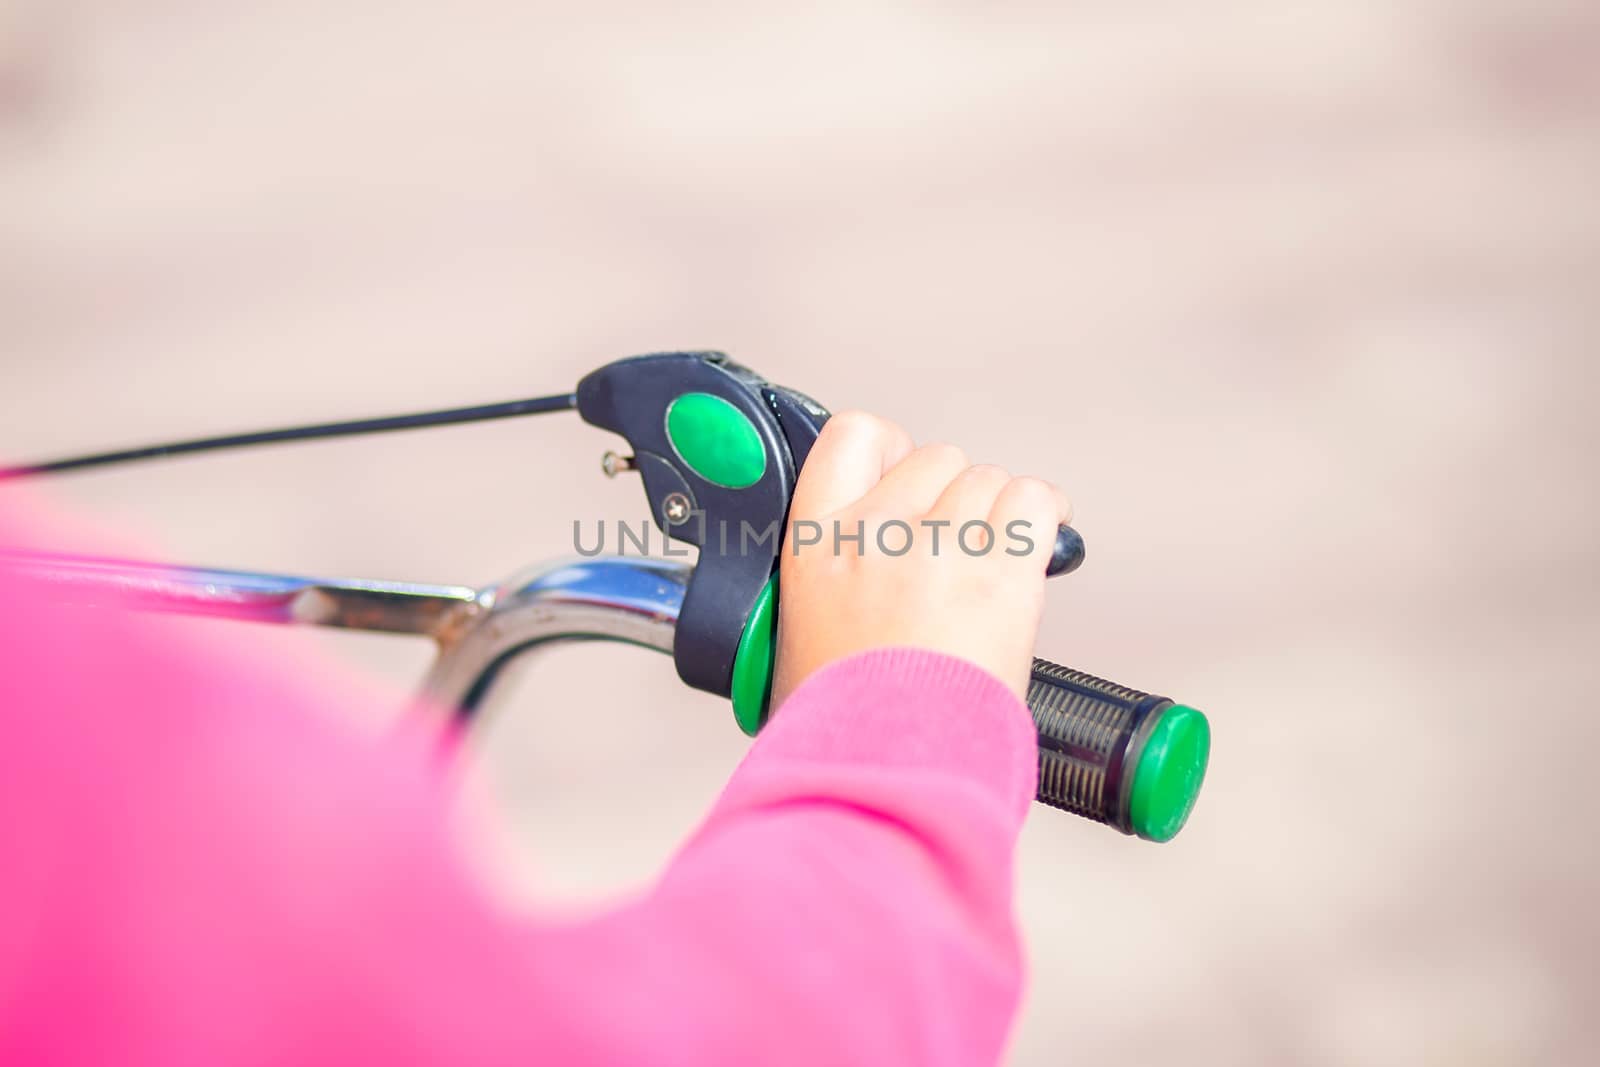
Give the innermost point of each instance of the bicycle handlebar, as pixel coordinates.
(1118, 756)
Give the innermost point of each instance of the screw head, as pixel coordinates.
(676, 508)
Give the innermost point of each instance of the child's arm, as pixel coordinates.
(202, 866)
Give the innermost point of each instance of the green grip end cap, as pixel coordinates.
(752, 663)
(1171, 768)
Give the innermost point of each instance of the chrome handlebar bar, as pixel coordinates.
(478, 632)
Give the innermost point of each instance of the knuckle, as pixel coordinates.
(944, 453)
(1032, 494)
(854, 422)
(1035, 487)
(987, 472)
(865, 428)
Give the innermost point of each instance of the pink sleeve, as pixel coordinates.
(200, 863)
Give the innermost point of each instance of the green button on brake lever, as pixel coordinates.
(716, 440)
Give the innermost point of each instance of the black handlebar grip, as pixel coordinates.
(1131, 760)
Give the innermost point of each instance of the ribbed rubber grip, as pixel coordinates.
(1091, 736)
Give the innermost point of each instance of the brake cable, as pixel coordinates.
(540, 405)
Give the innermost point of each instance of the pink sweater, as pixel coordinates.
(200, 864)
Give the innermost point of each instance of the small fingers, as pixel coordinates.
(916, 482)
(850, 457)
(971, 496)
(1026, 513)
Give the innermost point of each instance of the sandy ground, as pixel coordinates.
(1299, 301)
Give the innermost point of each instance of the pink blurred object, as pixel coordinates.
(206, 863)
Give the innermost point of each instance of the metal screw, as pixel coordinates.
(614, 464)
(676, 508)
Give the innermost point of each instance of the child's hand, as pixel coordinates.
(970, 595)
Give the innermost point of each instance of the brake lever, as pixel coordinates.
(719, 449)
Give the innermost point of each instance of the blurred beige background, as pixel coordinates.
(1299, 301)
